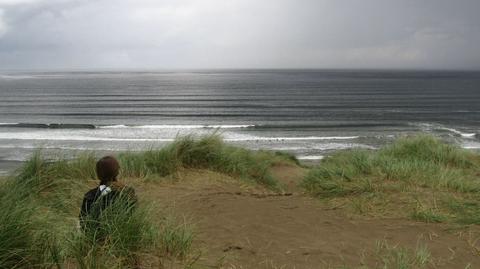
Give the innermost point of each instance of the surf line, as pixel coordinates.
(25, 136)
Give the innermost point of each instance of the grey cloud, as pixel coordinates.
(239, 34)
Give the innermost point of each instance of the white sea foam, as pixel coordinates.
(15, 77)
(471, 145)
(118, 126)
(88, 147)
(325, 146)
(67, 136)
(435, 126)
(466, 135)
(311, 157)
(303, 138)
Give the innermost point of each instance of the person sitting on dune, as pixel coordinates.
(109, 192)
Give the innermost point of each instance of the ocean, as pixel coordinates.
(310, 113)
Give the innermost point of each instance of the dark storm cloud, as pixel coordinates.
(239, 33)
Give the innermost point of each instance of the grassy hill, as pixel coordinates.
(206, 204)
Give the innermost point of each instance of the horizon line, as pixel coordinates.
(153, 70)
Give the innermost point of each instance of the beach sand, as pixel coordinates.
(244, 226)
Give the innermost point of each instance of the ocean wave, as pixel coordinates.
(455, 131)
(122, 126)
(436, 126)
(165, 126)
(192, 126)
(303, 138)
(73, 137)
(49, 125)
(471, 145)
(310, 157)
(15, 77)
(325, 146)
(327, 125)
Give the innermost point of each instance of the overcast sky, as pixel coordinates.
(157, 34)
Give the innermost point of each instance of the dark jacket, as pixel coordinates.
(98, 199)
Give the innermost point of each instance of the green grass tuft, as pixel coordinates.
(427, 215)
(16, 228)
(208, 152)
(402, 258)
(388, 256)
(26, 238)
(405, 170)
(176, 237)
(425, 148)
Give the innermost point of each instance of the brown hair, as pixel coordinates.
(107, 169)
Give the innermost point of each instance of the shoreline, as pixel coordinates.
(8, 167)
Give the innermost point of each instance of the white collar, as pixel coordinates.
(104, 190)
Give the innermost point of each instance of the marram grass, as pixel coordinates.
(419, 177)
(16, 228)
(35, 232)
(208, 152)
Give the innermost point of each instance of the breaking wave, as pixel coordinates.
(439, 127)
